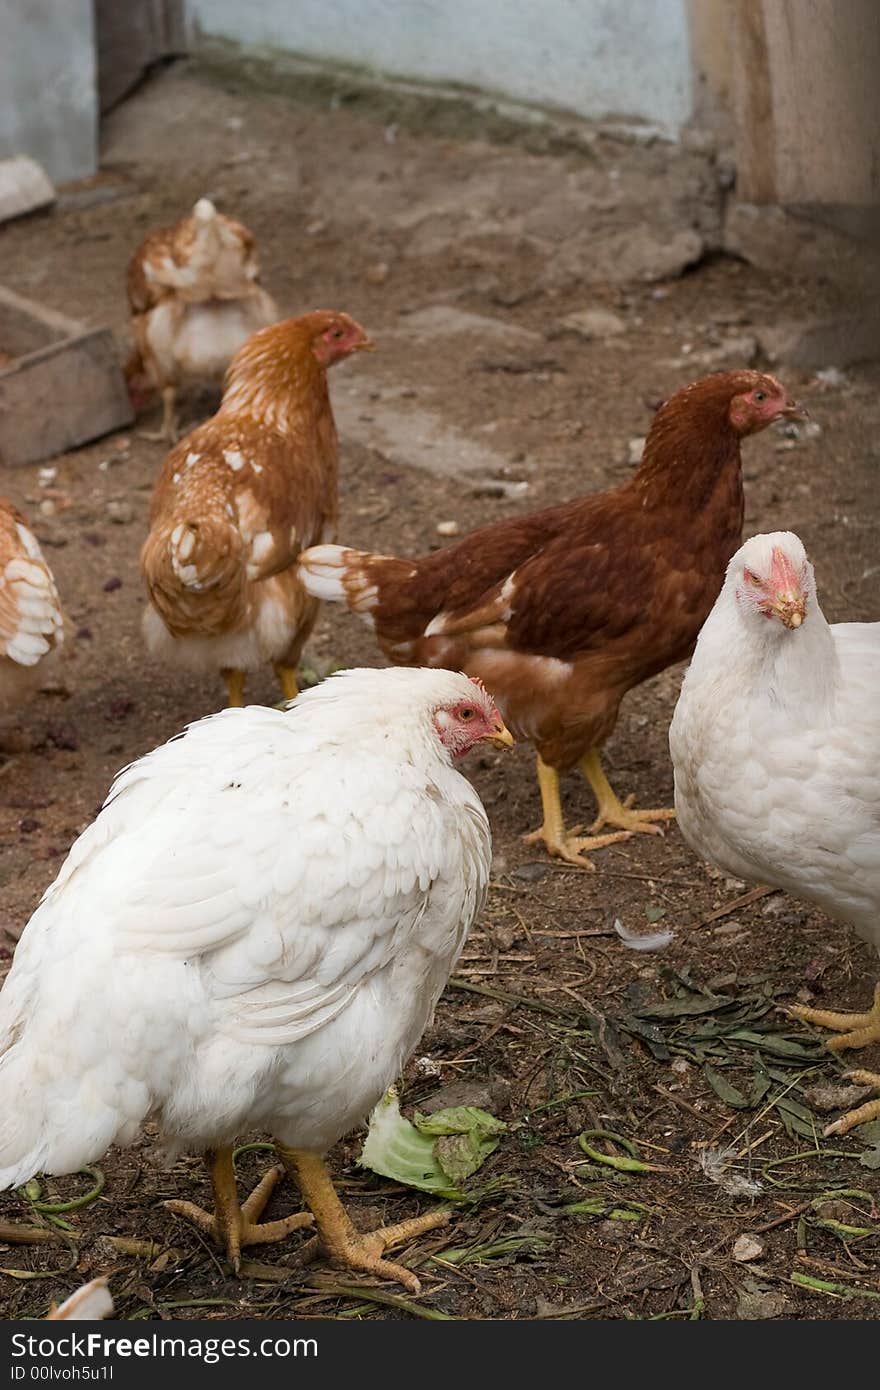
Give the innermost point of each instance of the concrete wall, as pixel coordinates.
(48, 96)
(595, 57)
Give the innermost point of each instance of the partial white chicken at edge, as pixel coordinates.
(776, 747)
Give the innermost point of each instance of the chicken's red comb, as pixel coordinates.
(783, 577)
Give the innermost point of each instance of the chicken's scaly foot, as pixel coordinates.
(338, 1236)
(613, 811)
(169, 433)
(860, 1116)
(233, 1226)
(856, 1030)
(235, 682)
(288, 681)
(559, 842)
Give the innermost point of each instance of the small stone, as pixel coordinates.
(594, 323)
(112, 584)
(730, 928)
(377, 274)
(754, 1302)
(447, 528)
(531, 873)
(634, 450)
(316, 227)
(831, 1097)
(48, 507)
(747, 1248)
(120, 512)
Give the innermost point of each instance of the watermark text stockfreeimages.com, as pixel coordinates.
(26, 1347)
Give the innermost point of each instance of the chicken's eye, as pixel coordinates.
(337, 333)
(466, 712)
(759, 396)
(751, 578)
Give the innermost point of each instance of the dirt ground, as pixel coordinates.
(552, 1022)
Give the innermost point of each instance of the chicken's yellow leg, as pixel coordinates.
(287, 680)
(234, 686)
(612, 811)
(560, 843)
(337, 1234)
(232, 1225)
(169, 431)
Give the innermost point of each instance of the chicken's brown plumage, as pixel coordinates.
(236, 501)
(195, 296)
(562, 612)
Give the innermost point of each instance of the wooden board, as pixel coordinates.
(60, 394)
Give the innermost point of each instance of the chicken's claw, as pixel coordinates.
(863, 1113)
(571, 847)
(337, 1234)
(233, 1226)
(613, 811)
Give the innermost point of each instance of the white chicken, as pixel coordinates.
(31, 620)
(253, 933)
(776, 747)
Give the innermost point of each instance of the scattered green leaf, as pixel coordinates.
(723, 1088)
(435, 1154)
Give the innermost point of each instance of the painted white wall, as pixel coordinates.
(48, 93)
(596, 57)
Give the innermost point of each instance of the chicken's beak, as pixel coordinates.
(790, 609)
(502, 737)
(793, 410)
(366, 345)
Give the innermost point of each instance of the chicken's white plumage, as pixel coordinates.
(776, 745)
(253, 933)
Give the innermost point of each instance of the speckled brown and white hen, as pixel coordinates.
(31, 620)
(238, 498)
(195, 296)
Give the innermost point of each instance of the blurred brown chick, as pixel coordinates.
(195, 297)
(31, 620)
(563, 611)
(236, 501)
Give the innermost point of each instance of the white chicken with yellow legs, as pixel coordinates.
(253, 934)
(776, 748)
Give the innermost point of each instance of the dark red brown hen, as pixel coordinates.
(563, 611)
